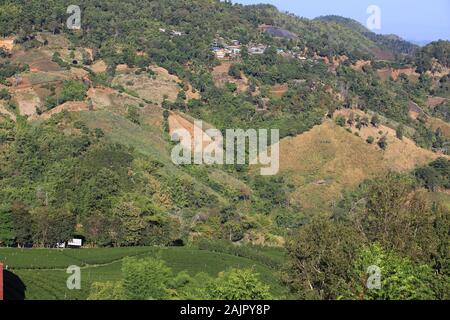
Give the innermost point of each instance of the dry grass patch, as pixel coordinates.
(358, 65)
(152, 115)
(7, 43)
(328, 159)
(387, 73)
(279, 90)
(72, 106)
(433, 102)
(38, 78)
(436, 123)
(148, 88)
(99, 66)
(323, 162)
(27, 101)
(55, 41)
(107, 98)
(177, 121)
(165, 75)
(400, 155)
(37, 59)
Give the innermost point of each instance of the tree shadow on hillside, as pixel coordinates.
(13, 286)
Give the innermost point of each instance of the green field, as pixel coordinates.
(43, 271)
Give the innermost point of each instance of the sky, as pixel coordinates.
(414, 20)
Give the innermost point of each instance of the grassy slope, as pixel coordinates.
(325, 161)
(436, 123)
(105, 265)
(150, 141)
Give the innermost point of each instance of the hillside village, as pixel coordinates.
(232, 49)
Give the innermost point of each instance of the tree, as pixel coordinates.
(238, 284)
(231, 87)
(397, 218)
(370, 140)
(400, 131)
(22, 224)
(382, 143)
(351, 119)
(73, 91)
(51, 226)
(133, 115)
(400, 278)
(321, 256)
(430, 178)
(340, 121)
(97, 229)
(145, 279)
(244, 53)
(233, 230)
(375, 121)
(235, 71)
(365, 122)
(270, 56)
(7, 234)
(132, 221)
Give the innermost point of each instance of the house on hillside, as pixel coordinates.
(233, 50)
(259, 49)
(220, 53)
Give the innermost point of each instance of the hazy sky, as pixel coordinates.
(410, 19)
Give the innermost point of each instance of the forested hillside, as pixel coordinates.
(86, 118)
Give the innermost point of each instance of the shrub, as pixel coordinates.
(232, 87)
(73, 91)
(400, 131)
(238, 284)
(383, 143)
(4, 94)
(133, 115)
